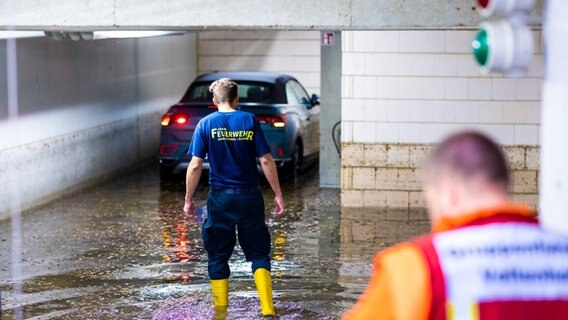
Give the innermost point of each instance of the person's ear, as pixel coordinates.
(453, 192)
(430, 196)
(236, 101)
(446, 194)
(215, 102)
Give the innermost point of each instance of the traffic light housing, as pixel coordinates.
(505, 44)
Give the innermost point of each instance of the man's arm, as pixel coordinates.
(399, 287)
(192, 179)
(269, 168)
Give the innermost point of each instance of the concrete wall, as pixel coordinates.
(293, 52)
(405, 90)
(86, 110)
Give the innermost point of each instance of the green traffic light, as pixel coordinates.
(480, 47)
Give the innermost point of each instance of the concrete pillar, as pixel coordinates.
(330, 164)
(13, 178)
(554, 130)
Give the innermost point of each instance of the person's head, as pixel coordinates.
(225, 91)
(465, 173)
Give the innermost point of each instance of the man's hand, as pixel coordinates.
(269, 169)
(279, 205)
(191, 181)
(189, 208)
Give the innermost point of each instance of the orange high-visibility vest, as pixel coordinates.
(499, 267)
(492, 264)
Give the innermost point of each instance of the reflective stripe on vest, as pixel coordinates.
(512, 270)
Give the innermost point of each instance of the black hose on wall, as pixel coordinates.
(336, 137)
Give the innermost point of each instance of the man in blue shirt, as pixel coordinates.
(233, 140)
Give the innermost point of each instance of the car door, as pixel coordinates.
(310, 118)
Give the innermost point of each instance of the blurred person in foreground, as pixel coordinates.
(233, 140)
(486, 258)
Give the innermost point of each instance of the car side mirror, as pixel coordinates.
(315, 100)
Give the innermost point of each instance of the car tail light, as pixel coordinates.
(277, 151)
(168, 149)
(166, 119)
(178, 118)
(276, 121)
(181, 118)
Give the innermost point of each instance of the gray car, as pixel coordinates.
(288, 116)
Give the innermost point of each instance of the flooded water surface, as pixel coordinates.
(124, 250)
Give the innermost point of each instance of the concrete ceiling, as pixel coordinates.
(92, 15)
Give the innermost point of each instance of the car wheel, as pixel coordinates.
(166, 173)
(294, 167)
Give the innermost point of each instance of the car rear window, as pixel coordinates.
(248, 92)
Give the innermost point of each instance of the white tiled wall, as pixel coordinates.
(419, 86)
(294, 52)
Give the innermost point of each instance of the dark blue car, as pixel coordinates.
(288, 115)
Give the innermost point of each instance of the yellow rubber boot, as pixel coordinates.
(263, 282)
(220, 291)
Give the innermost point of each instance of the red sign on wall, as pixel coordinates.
(328, 39)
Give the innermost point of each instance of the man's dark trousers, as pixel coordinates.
(243, 209)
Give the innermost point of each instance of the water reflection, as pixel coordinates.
(364, 232)
(124, 250)
(182, 248)
(279, 246)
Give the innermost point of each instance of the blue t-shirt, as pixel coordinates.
(232, 141)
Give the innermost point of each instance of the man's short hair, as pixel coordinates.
(468, 155)
(224, 90)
